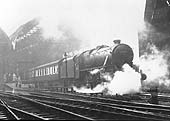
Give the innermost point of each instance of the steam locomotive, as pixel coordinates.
(76, 70)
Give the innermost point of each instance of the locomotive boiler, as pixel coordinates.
(76, 70)
(109, 59)
(105, 57)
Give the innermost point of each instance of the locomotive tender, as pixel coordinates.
(75, 71)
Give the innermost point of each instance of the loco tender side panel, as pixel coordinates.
(70, 68)
(62, 69)
(67, 68)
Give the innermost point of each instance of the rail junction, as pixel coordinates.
(46, 106)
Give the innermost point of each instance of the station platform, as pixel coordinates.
(11, 87)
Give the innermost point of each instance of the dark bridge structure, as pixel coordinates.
(157, 20)
(5, 49)
(156, 32)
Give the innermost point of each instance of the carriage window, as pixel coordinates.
(51, 69)
(44, 71)
(47, 70)
(56, 69)
(41, 72)
(36, 73)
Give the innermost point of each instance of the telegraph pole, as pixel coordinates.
(65, 81)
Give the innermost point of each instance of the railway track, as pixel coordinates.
(24, 108)
(93, 114)
(161, 97)
(105, 99)
(10, 113)
(5, 113)
(105, 107)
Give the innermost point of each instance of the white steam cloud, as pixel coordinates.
(125, 82)
(121, 82)
(95, 71)
(154, 65)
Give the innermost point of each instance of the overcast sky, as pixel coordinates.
(98, 21)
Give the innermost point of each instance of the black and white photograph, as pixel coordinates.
(85, 60)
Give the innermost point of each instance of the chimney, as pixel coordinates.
(117, 41)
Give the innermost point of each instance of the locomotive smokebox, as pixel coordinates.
(122, 54)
